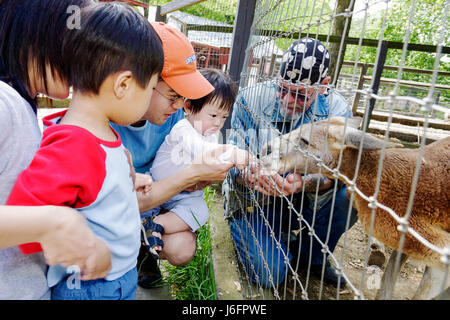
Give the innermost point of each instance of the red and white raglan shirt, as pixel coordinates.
(75, 168)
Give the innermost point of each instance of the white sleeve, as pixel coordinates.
(194, 145)
(184, 136)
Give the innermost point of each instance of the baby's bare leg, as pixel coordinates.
(171, 223)
(180, 243)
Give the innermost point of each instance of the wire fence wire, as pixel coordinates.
(268, 245)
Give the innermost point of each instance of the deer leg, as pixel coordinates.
(431, 284)
(377, 256)
(389, 278)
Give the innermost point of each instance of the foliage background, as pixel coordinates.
(426, 28)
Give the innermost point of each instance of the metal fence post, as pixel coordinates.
(376, 80)
(241, 34)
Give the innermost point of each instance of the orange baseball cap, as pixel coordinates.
(180, 66)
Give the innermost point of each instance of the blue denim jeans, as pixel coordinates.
(264, 259)
(123, 288)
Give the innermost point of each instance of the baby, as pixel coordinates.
(190, 137)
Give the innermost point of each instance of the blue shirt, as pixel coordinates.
(143, 142)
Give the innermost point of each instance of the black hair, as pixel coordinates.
(113, 37)
(31, 35)
(225, 90)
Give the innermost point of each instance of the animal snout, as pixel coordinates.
(265, 151)
(271, 161)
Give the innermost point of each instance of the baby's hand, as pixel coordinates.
(143, 183)
(236, 156)
(241, 158)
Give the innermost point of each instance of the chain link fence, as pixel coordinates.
(283, 240)
(390, 65)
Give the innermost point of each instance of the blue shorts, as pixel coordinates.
(123, 288)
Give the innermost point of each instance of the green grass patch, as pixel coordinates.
(195, 281)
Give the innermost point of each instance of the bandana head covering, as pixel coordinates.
(306, 61)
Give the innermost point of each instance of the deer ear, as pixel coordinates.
(354, 138)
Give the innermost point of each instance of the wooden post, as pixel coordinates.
(341, 27)
(433, 111)
(363, 73)
(146, 9)
(241, 35)
(158, 16)
(272, 65)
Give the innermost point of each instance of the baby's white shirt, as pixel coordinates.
(180, 148)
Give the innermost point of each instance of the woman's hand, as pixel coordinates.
(69, 241)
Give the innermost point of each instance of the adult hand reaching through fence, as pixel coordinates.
(264, 181)
(292, 183)
(278, 185)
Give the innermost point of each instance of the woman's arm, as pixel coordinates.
(63, 234)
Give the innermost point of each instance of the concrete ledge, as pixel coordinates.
(225, 262)
(223, 255)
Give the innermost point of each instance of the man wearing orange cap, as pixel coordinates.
(179, 79)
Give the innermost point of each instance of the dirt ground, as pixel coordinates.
(353, 264)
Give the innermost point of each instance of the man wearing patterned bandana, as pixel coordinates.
(306, 62)
(299, 95)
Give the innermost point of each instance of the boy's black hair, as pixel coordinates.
(225, 90)
(113, 37)
(31, 35)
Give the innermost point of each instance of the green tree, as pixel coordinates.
(426, 28)
(218, 10)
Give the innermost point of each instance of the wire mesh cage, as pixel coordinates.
(332, 208)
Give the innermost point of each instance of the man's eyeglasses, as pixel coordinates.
(283, 91)
(172, 100)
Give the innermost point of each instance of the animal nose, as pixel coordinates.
(267, 150)
(266, 161)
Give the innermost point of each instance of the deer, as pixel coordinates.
(315, 145)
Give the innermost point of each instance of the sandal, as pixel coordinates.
(150, 241)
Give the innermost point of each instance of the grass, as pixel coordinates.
(195, 281)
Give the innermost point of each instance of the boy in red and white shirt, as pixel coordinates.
(117, 57)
